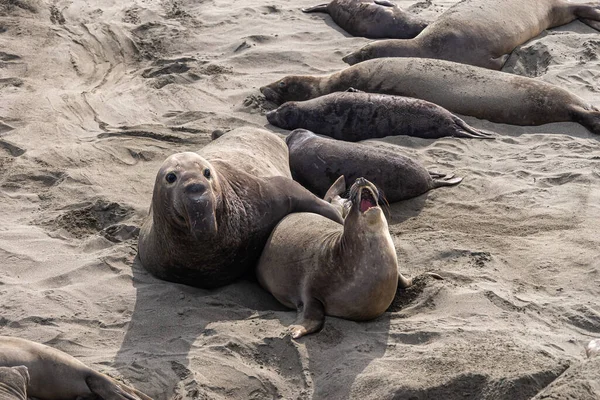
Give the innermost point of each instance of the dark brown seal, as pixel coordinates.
(13, 383)
(482, 32)
(372, 18)
(212, 212)
(316, 163)
(54, 375)
(322, 268)
(463, 89)
(354, 116)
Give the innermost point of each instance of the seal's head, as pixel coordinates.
(291, 88)
(286, 116)
(366, 53)
(365, 209)
(187, 194)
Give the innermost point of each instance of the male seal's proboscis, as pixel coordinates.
(212, 211)
(372, 18)
(463, 89)
(482, 32)
(54, 375)
(322, 268)
(316, 162)
(13, 383)
(355, 116)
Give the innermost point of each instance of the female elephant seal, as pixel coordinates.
(317, 162)
(54, 375)
(13, 383)
(322, 268)
(463, 89)
(372, 18)
(482, 32)
(354, 116)
(212, 212)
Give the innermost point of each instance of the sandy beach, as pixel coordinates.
(96, 94)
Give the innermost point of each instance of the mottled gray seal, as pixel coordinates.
(316, 163)
(322, 268)
(355, 116)
(55, 375)
(13, 383)
(212, 211)
(482, 32)
(463, 89)
(372, 18)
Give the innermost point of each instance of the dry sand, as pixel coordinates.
(96, 94)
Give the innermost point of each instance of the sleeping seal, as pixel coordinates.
(482, 32)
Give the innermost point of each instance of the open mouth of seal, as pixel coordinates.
(367, 199)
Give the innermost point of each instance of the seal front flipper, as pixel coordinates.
(589, 14)
(311, 318)
(337, 189)
(108, 389)
(591, 23)
(320, 8)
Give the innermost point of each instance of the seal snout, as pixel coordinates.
(364, 195)
(195, 188)
(272, 117)
(351, 59)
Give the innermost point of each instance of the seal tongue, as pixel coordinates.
(366, 200)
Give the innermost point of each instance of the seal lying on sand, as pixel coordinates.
(355, 116)
(372, 18)
(316, 162)
(212, 212)
(13, 383)
(463, 89)
(322, 268)
(482, 32)
(55, 375)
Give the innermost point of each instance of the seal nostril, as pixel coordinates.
(195, 188)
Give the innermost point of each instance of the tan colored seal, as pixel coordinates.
(55, 375)
(13, 383)
(482, 32)
(372, 18)
(463, 89)
(212, 212)
(322, 268)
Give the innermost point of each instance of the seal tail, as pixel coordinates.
(440, 180)
(589, 118)
(108, 389)
(320, 8)
(464, 130)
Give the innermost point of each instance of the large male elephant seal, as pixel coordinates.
(13, 383)
(464, 89)
(482, 32)
(317, 162)
(212, 211)
(372, 18)
(322, 268)
(54, 375)
(354, 116)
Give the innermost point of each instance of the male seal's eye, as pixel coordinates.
(207, 173)
(282, 84)
(171, 177)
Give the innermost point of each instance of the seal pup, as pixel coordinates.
(55, 375)
(212, 211)
(316, 162)
(463, 89)
(482, 32)
(372, 18)
(13, 383)
(355, 116)
(322, 268)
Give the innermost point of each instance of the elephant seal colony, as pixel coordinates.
(13, 383)
(372, 18)
(482, 32)
(54, 375)
(316, 162)
(212, 212)
(355, 116)
(322, 268)
(463, 89)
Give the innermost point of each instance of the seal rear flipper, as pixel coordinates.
(108, 389)
(446, 182)
(311, 318)
(464, 130)
(588, 118)
(385, 3)
(320, 8)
